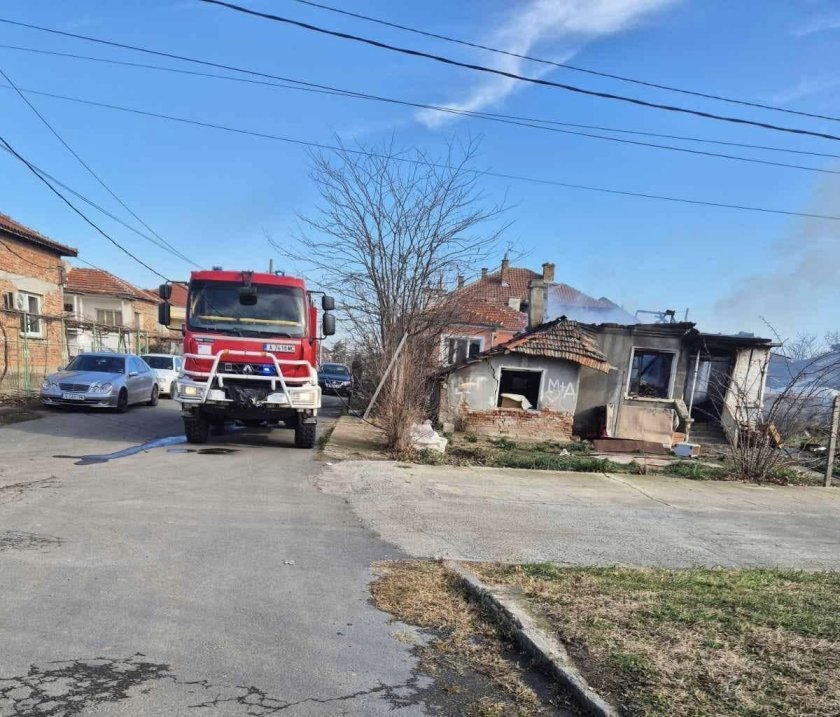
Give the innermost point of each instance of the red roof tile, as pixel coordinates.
(562, 339)
(24, 233)
(493, 290)
(483, 313)
(98, 281)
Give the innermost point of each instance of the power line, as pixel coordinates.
(304, 86)
(79, 211)
(650, 145)
(515, 177)
(164, 244)
(514, 76)
(88, 201)
(565, 65)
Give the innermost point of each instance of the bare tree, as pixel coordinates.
(393, 228)
(794, 419)
(803, 347)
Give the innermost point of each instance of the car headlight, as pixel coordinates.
(101, 387)
(46, 384)
(189, 390)
(305, 396)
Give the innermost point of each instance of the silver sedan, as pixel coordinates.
(105, 380)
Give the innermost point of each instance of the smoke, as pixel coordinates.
(803, 293)
(585, 309)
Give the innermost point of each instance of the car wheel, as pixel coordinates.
(153, 401)
(173, 389)
(122, 401)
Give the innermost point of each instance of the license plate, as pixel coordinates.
(73, 396)
(279, 348)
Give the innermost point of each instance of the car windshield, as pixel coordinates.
(164, 362)
(100, 364)
(278, 311)
(335, 369)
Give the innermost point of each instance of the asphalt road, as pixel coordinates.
(164, 581)
(589, 518)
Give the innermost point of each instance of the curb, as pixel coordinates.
(539, 645)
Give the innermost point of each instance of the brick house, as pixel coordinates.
(31, 335)
(106, 312)
(526, 387)
(494, 308)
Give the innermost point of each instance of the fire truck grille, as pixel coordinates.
(248, 369)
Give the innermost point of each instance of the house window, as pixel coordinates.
(460, 348)
(650, 374)
(109, 317)
(31, 323)
(521, 383)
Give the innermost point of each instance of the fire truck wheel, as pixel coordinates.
(197, 429)
(305, 435)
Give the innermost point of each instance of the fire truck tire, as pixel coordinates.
(197, 429)
(305, 435)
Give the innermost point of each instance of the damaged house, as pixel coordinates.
(526, 387)
(660, 383)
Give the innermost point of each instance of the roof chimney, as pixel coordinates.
(460, 281)
(536, 303)
(548, 271)
(503, 275)
(515, 303)
(484, 272)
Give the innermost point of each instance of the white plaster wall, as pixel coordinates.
(477, 384)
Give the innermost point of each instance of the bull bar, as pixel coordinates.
(294, 398)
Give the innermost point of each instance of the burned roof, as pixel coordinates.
(559, 339)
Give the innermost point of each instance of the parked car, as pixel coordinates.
(105, 380)
(166, 369)
(336, 379)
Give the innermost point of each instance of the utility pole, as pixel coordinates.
(271, 266)
(832, 441)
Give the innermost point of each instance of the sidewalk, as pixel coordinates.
(588, 518)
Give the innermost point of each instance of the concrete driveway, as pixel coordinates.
(156, 581)
(590, 519)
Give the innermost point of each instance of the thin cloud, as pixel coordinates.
(805, 88)
(558, 29)
(823, 23)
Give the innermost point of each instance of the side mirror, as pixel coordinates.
(247, 295)
(327, 303)
(165, 291)
(328, 324)
(165, 312)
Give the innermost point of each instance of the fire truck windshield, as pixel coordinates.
(216, 305)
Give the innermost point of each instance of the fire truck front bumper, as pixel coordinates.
(298, 397)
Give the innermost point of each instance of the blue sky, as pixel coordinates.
(217, 195)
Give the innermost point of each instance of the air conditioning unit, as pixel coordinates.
(14, 301)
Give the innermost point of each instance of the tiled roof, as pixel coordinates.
(493, 290)
(98, 281)
(19, 231)
(565, 294)
(483, 313)
(561, 339)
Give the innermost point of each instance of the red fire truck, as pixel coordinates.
(250, 352)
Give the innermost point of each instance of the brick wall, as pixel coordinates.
(26, 360)
(542, 425)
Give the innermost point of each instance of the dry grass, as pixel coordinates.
(425, 594)
(695, 643)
